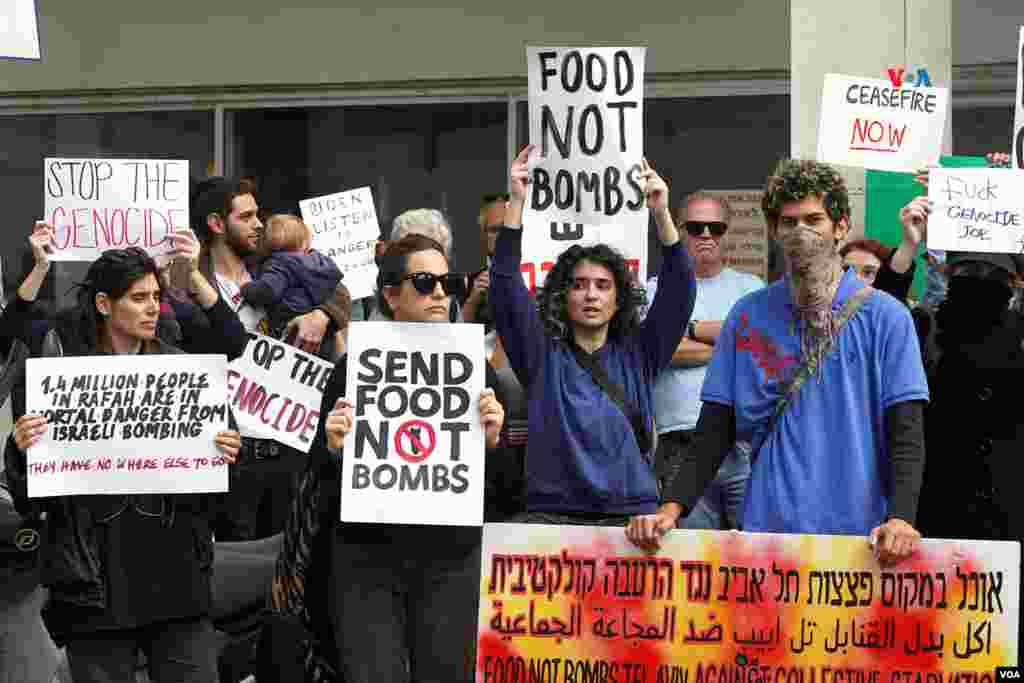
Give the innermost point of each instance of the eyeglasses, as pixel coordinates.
(452, 284)
(696, 228)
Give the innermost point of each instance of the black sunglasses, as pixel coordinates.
(696, 228)
(452, 284)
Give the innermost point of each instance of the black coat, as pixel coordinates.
(118, 562)
(974, 436)
(974, 431)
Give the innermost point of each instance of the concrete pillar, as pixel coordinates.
(862, 39)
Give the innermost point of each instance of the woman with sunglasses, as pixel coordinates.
(125, 572)
(403, 599)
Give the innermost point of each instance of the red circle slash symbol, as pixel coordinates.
(415, 441)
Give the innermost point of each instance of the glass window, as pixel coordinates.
(26, 140)
(440, 156)
(980, 130)
(706, 143)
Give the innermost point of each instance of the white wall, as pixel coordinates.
(118, 44)
(879, 35)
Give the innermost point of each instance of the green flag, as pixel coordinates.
(886, 193)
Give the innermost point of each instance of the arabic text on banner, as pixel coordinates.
(577, 604)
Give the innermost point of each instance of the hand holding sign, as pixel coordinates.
(185, 247)
(309, 330)
(893, 541)
(914, 219)
(29, 430)
(646, 531)
(656, 191)
(655, 188)
(492, 417)
(41, 241)
(229, 442)
(338, 424)
(921, 176)
(519, 178)
(998, 159)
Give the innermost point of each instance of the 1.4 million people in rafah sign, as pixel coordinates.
(581, 604)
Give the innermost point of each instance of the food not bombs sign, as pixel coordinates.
(415, 454)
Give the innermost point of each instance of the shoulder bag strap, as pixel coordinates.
(617, 395)
(803, 372)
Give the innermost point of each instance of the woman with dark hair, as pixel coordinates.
(125, 572)
(866, 257)
(874, 263)
(588, 366)
(889, 269)
(402, 599)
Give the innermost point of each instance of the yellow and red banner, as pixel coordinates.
(563, 604)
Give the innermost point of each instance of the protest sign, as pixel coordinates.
(275, 390)
(586, 112)
(99, 204)
(561, 603)
(1018, 118)
(345, 228)
(127, 424)
(19, 30)
(745, 244)
(415, 454)
(976, 209)
(869, 123)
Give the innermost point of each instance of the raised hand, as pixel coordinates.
(519, 175)
(185, 247)
(654, 186)
(41, 241)
(914, 219)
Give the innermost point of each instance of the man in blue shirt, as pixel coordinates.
(677, 403)
(846, 453)
(589, 455)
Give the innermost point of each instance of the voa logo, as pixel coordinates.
(911, 76)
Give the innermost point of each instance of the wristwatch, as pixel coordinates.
(691, 330)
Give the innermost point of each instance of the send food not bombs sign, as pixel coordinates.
(415, 454)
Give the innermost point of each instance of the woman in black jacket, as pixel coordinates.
(401, 599)
(125, 572)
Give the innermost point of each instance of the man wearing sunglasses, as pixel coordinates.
(677, 391)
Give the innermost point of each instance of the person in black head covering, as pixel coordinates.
(974, 429)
